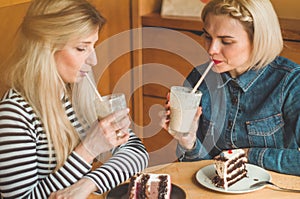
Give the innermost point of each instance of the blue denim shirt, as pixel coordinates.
(259, 110)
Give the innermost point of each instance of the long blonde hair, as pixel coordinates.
(46, 28)
(259, 21)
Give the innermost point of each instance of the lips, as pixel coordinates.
(83, 73)
(217, 61)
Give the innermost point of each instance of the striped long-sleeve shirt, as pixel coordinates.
(26, 170)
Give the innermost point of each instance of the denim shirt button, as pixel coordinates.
(234, 101)
(230, 124)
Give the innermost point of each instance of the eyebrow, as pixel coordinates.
(225, 36)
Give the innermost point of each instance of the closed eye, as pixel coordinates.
(81, 49)
(227, 42)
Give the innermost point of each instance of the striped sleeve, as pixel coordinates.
(26, 171)
(127, 160)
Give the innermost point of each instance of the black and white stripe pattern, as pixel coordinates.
(25, 171)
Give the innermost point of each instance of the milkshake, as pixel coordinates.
(110, 104)
(183, 107)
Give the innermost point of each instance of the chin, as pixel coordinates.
(78, 79)
(221, 68)
(217, 70)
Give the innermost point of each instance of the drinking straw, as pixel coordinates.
(202, 77)
(93, 86)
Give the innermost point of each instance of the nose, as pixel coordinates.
(213, 48)
(92, 59)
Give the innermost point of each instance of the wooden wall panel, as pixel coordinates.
(11, 17)
(291, 50)
(4, 3)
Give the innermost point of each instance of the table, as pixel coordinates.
(183, 175)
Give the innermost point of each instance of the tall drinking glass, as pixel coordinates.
(183, 106)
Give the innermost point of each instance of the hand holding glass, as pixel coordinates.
(109, 104)
(106, 106)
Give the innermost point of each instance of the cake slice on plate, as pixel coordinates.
(149, 186)
(230, 168)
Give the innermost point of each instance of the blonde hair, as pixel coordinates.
(259, 21)
(46, 28)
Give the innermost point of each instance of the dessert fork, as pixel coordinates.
(258, 184)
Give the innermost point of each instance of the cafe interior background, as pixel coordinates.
(136, 69)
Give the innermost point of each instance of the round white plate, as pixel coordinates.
(255, 174)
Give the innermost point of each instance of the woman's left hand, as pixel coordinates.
(81, 189)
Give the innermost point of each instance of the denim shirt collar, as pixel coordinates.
(245, 80)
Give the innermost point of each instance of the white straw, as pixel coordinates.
(202, 77)
(93, 86)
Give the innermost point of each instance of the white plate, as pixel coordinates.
(255, 174)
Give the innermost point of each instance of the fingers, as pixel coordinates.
(167, 104)
(167, 109)
(168, 96)
(164, 119)
(165, 115)
(116, 125)
(120, 121)
(198, 113)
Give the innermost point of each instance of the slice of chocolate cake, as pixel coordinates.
(230, 168)
(150, 186)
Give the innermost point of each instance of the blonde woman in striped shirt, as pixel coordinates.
(45, 150)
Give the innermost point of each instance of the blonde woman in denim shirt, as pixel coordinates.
(251, 96)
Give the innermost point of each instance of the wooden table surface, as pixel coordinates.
(183, 175)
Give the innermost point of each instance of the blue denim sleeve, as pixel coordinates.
(280, 160)
(195, 154)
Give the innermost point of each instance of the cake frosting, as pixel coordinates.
(149, 186)
(230, 168)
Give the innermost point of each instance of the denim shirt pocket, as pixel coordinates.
(264, 132)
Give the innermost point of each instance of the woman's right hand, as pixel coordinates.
(104, 135)
(186, 140)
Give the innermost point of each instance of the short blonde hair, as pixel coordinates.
(259, 20)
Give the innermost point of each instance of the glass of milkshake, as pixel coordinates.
(183, 107)
(109, 104)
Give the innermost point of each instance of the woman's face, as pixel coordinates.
(75, 56)
(227, 43)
